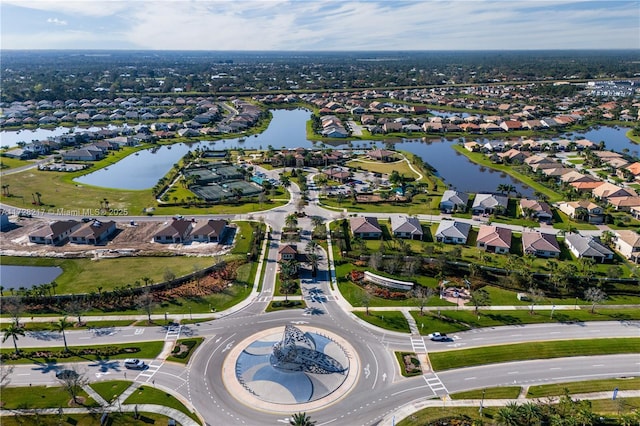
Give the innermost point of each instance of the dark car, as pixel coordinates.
(66, 374)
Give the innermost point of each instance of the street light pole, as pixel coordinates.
(482, 402)
(190, 316)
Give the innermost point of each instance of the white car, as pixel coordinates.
(134, 364)
(438, 337)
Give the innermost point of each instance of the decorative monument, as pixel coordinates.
(293, 367)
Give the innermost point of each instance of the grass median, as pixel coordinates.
(47, 355)
(534, 350)
(150, 395)
(389, 320)
(630, 383)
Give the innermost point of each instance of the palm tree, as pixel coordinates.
(301, 419)
(314, 260)
(287, 287)
(60, 327)
(530, 413)
(13, 331)
(38, 195)
(312, 246)
(509, 415)
(291, 221)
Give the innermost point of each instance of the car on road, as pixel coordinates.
(134, 364)
(66, 374)
(438, 337)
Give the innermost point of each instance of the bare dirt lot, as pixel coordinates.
(129, 240)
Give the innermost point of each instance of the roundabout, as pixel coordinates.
(279, 368)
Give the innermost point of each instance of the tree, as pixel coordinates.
(317, 221)
(595, 296)
(60, 327)
(285, 181)
(509, 415)
(536, 295)
(375, 260)
(291, 221)
(77, 307)
(73, 382)
(422, 294)
(365, 299)
(301, 419)
(14, 308)
(287, 287)
(314, 261)
(480, 297)
(5, 373)
(13, 330)
(146, 302)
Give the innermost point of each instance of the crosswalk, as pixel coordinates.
(418, 345)
(148, 373)
(436, 385)
(173, 332)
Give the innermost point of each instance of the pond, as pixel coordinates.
(15, 277)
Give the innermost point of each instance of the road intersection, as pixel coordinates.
(378, 389)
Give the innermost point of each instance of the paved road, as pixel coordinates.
(379, 388)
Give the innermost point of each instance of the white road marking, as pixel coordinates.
(470, 378)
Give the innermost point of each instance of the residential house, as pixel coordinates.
(83, 154)
(54, 233)
(513, 156)
(538, 209)
(624, 203)
(365, 227)
(583, 210)
(453, 232)
(175, 232)
(454, 201)
(609, 190)
(540, 244)
(588, 247)
(210, 231)
(489, 203)
(93, 232)
(288, 252)
(627, 242)
(406, 227)
(494, 239)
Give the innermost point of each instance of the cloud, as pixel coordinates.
(56, 21)
(348, 25)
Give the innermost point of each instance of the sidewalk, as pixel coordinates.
(417, 405)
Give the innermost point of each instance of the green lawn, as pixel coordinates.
(400, 166)
(189, 346)
(538, 350)
(519, 317)
(150, 395)
(389, 320)
(111, 388)
(505, 392)
(11, 163)
(59, 190)
(430, 322)
(39, 397)
(90, 419)
(86, 275)
(148, 350)
(587, 386)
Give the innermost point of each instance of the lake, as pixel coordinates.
(287, 129)
(15, 277)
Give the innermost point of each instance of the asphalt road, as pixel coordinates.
(379, 388)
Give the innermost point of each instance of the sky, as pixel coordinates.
(320, 25)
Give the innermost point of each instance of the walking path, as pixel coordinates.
(415, 406)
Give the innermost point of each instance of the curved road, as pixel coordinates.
(379, 388)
